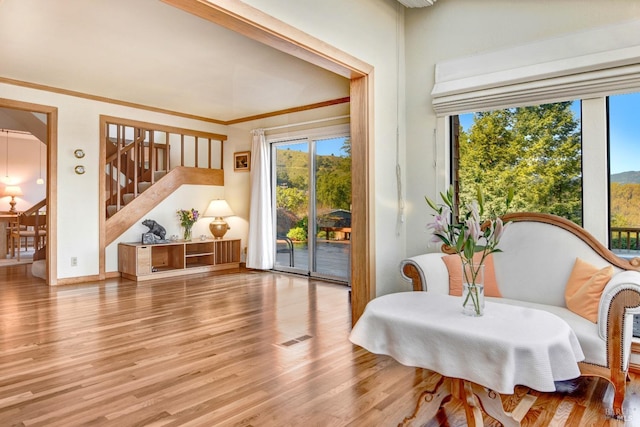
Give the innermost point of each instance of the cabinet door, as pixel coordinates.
(144, 260)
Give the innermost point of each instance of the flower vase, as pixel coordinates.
(187, 233)
(472, 289)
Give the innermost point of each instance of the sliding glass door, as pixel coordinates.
(312, 205)
(291, 184)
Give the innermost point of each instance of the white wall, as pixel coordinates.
(22, 168)
(457, 28)
(367, 30)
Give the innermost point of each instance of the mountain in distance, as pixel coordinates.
(629, 177)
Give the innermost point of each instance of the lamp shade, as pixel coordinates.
(12, 190)
(218, 209)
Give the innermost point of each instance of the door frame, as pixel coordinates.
(51, 182)
(257, 25)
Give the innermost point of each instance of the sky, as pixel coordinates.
(624, 131)
(324, 147)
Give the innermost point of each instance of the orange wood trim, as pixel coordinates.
(580, 232)
(291, 110)
(363, 287)
(112, 274)
(257, 25)
(136, 209)
(52, 179)
(102, 194)
(78, 279)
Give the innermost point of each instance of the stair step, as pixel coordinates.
(143, 186)
(111, 209)
(127, 198)
(158, 174)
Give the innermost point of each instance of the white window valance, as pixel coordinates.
(581, 65)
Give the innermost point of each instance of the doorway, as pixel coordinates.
(38, 125)
(311, 179)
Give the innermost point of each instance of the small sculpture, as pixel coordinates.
(155, 234)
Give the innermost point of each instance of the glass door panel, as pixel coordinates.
(291, 182)
(332, 208)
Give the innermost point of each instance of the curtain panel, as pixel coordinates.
(261, 244)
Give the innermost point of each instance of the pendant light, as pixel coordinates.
(40, 181)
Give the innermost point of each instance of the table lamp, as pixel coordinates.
(218, 209)
(13, 191)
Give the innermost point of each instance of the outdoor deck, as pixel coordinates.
(333, 257)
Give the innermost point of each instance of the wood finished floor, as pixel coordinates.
(245, 349)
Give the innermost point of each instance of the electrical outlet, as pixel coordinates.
(74, 261)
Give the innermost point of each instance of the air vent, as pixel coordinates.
(417, 3)
(295, 341)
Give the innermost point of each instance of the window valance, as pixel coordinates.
(581, 65)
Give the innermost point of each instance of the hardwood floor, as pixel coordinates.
(244, 349)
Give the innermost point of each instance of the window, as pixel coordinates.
(624, 172)
(536, 150)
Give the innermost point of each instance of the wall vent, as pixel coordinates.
(417, 3)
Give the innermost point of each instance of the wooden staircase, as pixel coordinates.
(139, 167)
(129, 197)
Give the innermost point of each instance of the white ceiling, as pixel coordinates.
(148, 52)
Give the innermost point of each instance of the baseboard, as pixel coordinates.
(76, 280)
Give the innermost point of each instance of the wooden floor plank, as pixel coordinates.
(244, 349)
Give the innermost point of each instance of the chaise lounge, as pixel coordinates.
(543, 256)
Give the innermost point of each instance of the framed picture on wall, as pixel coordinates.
(242, 161)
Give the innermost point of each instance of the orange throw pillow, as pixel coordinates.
(584, 288)
(454, 265)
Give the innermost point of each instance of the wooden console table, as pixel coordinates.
(137, 261)
(479, 357)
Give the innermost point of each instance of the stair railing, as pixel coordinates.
(138, 154)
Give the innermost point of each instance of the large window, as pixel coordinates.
(624, 170)
(535, 150)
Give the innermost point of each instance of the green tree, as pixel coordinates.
(333, 180)
(291, 199)
(535, 150)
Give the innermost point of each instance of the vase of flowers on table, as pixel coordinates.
(187, 219)
(472, 238)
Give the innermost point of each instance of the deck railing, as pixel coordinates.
(625, 238)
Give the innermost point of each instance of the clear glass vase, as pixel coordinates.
(187, 233)
(472, 289)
